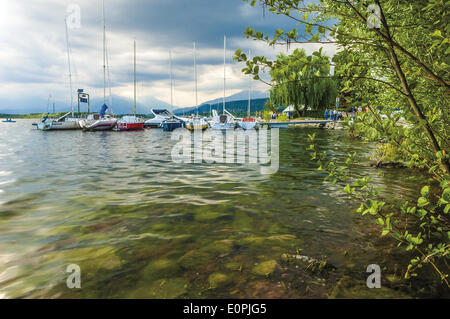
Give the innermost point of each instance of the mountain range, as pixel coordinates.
(125, 106)
(218, 103)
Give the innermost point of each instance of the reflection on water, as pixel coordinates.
(141, 226)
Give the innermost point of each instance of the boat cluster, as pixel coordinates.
(162, 119)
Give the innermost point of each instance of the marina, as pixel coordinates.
(134, 215)
(226, 154)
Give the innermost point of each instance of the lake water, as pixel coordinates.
(141, 226)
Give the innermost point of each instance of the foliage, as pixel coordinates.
(283, 118)
(267, 115)
(393, 59)
(421, 226)
(300, 80)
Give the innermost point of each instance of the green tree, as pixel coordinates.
(394, 54)
(303, 81)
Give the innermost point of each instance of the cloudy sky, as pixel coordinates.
(33, 58)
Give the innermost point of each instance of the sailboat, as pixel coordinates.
(100, 121)
(196, 123)
(248, 123)
(64, 122)
(131, 123)
(226, 120)
(173, 122)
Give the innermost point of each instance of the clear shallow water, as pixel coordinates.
(141, 226)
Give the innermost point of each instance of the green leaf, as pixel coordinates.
(425, 191)
(422, 202)
(447, 208)
(437, 33)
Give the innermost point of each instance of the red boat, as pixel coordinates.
(130, 123)
(248, 123)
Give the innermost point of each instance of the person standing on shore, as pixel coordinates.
(326, 114)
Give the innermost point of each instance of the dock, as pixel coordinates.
(320, 123)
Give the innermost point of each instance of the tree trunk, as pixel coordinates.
(412, 101)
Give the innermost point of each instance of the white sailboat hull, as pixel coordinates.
(72, 124)
(247, 125)
(98, 125)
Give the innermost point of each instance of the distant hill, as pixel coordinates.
(258, 98)
(125, 106)
(237, 108)
(240, 96)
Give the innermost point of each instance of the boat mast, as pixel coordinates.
(171, 80)
(134, 78)
(195, 75)
(109, 81)
(104, 53)
(250, 89)
(224, 69)
(70, 71)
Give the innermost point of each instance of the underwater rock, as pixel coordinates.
(206, 216)
(381, 164)
(308, 263)
(219, 247)
(195, 258)
(271, 240)
(218, 280)
(265, 268)
(242, 222)
(348, 288)
(170, 288)
(90, 259)
(159, 268)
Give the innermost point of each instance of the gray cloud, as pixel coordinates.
(33, 61)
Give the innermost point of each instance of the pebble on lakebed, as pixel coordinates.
(265, 268)
(170, 288)
(218, 280)
(161, 267)
(348, 288)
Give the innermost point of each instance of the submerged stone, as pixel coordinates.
(265, 268)
(219, 247)
(195, 258)
(218, 280)
(170, 288)
(242, 222)
(90, 259)
(348, 288)
(207, 216)
(161, 268)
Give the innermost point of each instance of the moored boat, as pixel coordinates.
(223, 122)
(98, 122)
(130, 123)
(160, 115)
(62, 123)
(171, 124)
(196, 123)
(226, 120)
(248, 123)
(9, 121)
